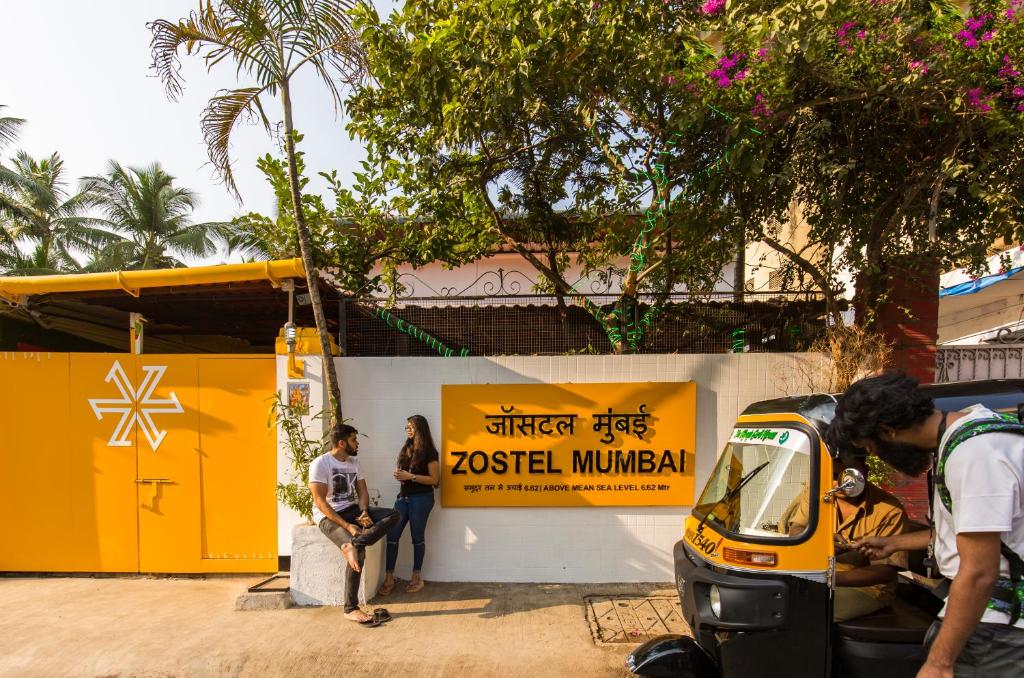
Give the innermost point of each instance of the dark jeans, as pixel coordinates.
(383, 520)
(414, 510)
(992, 651)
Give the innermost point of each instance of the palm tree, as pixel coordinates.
(153, 215)
(10, 255)
(36, 209)
(268, 41)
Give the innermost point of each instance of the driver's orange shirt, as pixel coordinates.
(880, 514)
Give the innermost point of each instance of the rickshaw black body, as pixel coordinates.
(779, 625)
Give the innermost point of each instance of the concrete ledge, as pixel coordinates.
(278, 600)
(318, 569)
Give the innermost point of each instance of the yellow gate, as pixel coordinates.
(124, 463)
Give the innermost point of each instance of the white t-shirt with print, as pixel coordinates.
(985, 477)
(340, 478)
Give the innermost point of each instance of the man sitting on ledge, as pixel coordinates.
(341, 510)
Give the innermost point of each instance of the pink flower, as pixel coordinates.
(862, 34)
(979, 101)
(1008, 71)
(760, 109)
(1020, 107)
(712, 7)
(841, 32)
(918, 67)
(1017, 92)
(970, 42)
(969, 35)
(763, 54)
(729, 69)
(669, 80)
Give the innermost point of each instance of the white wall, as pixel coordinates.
(553, 544)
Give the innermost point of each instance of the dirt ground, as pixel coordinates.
(80, 626)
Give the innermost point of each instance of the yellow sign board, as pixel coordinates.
(628, 444)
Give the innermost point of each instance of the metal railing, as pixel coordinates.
(972, 363)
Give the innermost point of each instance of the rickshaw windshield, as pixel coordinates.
(760, 484)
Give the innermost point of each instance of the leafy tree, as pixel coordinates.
(269, 41)
(37, 209)
(362, 233)
(894, 125)
(897, 125)
(536, 126)
(154, 217)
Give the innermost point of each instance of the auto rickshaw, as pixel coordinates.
(759, 599)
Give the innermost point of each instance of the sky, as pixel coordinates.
(78, 72)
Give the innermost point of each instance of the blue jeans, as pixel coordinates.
(414, 510)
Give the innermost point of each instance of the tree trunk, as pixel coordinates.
(306, 249)
(739, 279)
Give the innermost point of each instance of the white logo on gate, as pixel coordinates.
(136, 405)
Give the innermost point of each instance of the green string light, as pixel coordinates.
(417, 333)
(652, 215)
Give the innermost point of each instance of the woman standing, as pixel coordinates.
(418, 472)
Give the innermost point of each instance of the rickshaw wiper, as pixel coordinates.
(731, 493)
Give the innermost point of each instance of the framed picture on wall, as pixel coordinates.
(298, 397)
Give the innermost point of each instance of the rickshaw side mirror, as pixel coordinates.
(851, 484)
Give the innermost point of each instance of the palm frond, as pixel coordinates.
(268, 41)
(9, 128)
(240, 240)
(219, 118)
(208, 28)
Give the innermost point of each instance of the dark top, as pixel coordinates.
(411, 487)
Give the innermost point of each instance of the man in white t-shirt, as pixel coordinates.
(978, 506)
(341, 508)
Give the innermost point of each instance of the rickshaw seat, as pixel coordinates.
(901, 622)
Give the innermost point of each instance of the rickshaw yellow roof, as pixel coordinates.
(131, 282)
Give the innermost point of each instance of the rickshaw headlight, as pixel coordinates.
(715, 597)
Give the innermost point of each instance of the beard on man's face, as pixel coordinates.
(908, 459)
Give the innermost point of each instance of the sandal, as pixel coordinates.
(385, 590)
(381, 615)
(415, 586)
(369, 623)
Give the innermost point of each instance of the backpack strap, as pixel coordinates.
(1008, 597)
(999, 424)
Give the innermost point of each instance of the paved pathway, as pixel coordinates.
(80, 626)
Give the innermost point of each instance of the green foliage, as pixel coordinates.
(9, 128)
(36, 209)
(879, 473)
(548, 128)
(267, 40)
(302, 450)
(154, 217)
(899, 135)
(366, 227)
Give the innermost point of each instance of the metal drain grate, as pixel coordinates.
(625, 619)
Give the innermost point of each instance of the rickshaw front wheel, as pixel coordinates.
(671, 656)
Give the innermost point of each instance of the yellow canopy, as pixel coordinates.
(15, 289)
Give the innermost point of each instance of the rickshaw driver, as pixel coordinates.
(984, 480)
(863, 585)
